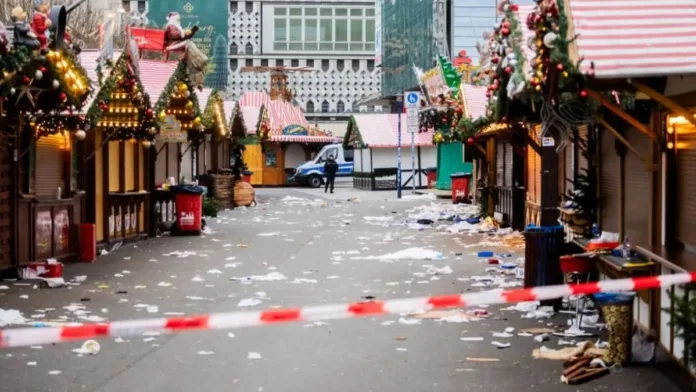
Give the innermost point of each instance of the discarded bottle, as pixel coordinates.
(626, 250)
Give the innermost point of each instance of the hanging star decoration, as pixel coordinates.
(28, 91)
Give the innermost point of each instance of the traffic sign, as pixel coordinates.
(412, 99)
(412, 120)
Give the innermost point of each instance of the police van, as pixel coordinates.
(311, 173)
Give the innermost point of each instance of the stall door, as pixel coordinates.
(253, 158)
(50, 165)
(686, 186)
(637, 189)
(610, 174)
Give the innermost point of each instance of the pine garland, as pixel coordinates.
(353, 139)
(10, 64)
(123, 80)
(683, 319)
(169, 98)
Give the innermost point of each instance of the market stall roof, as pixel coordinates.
(250, 118)
(381, 131)
(203, 97)
(281, 113)
(154, 75)
(228, 109)
(475, 101)
(634, 38)
(89, 61)
(304, 139)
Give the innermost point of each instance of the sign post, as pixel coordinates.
(412, 104)
(399, 109)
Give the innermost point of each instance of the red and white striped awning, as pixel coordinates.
(280, 113)
(475, 100)
(204, 97)
(635, 38)
(250, 116)
(154, 75)
(228, 110)
(89, 61)
(304, 139)
(382, 131)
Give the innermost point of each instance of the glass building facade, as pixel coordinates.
(407, 40)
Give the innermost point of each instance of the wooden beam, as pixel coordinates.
(621, 113)
(481, 150)
(623, 140)
(531, 142)
(664, 101)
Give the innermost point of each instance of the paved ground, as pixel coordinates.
(347, 355)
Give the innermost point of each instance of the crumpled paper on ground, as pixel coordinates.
(565, 354)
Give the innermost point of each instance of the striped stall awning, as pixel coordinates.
(635, 38)
(382, 131)
(89, 60)
(280, 113)
(250, 117)
(304, 139)
(203, 97)
(475, 100)
(155, 75)
(228, 109)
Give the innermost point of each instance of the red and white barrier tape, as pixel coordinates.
(38, 336)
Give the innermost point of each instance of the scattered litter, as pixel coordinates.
(195, 298)
(273, 276)
(401, 349)
(502, 335)
(446, 270)
(79, 278)
(146, 340)
(202, 352)
(214, 271)
(273, 234)
(3, 287)
(10, 317)
(542, 338)
(32, 363)
(57, 372)
(385, 323)
(483, 359)
(406, 254)
(316, 324)
(471, 339)
(24, 296)
(253, 355)
(119, 340)
(537, 330)
(232, 265)
(303, 280)
(164, 284)
(230, 335)
(90, 347)
(400, 338)
(140, 287)
(249, 302)
(197, 279)
(411, 321)
(501, 345)
(333, 277)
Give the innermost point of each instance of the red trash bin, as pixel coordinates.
(246, 176)
(460, 186)
(189, 208)
(432, 177)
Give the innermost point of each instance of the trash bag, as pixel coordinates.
(187, 189)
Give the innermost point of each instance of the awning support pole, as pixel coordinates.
(619, 112)
(664, 101)
(625, 142)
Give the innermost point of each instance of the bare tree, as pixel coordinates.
(84, 21)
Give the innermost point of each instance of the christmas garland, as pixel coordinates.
(51, 124)
(67, 70)
(179, 86)
(123, 80)
(10, 64)
(506, 72)
(470, 127)
(263, 125)
(354, 138)
(212, 109)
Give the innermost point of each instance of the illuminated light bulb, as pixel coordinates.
(670, 145)
(670, 130)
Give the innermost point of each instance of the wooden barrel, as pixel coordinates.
(244, 194)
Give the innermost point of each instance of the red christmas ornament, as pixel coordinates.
(488, 94)
(42, 69)
(508, 70)
(26, 79)
(495, 60)
(148, 112)
(506, 24)
(559, 66)
(538, 19)
(505, 31)
(583, 93)
(515, 7)
(470, 141)
(63, 97)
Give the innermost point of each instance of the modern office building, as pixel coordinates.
(335, 38)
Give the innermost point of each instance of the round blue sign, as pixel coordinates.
(412, 98)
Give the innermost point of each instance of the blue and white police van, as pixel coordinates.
(311, 173)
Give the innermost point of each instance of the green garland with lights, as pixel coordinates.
(210, 113)
(123, 86)
(10, 63)
(469, 127)
(179, 78)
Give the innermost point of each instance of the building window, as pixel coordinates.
(324, 65)
(340, 65)
(279, 62)
(249, 49)
(233, 64)
(234, 49)
(324, 29)
(264, 62)
(325, 107)
(233, 7)
(294, 63)
(356, 65)
(310, 63)
(370, 65)
(340, 107)
(249, 62)
(310, 107)
(249, 5)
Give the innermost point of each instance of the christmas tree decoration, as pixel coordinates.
(179, 99)
(120, 106)
(80, 134)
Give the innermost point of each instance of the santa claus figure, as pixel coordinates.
(40, 23)
(177, 38)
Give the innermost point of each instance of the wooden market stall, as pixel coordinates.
(373, 139)
(45, 96)
(120, 154)
(281, 140)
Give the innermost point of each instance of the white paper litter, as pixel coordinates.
(501, 345)
(402, 349)
(214, 271)
(90, 347)
(316, 324)
(471, 339)
(57, 372)
(386, 323)
(502, 335)
(273, 276)
(197, 278)
(164, 284)
(32, 363)
(10, 317)
(203, 352)
(249, 302)
(406, 254)
(411, 321)
(541, 338)
(446, 270)
(273, 234)
(253, 355)
(303, 280)
(455, 318)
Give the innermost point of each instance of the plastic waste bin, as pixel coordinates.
(543, 248)
(246, 176)
(460, 186)
(618, 313)
(189, 208)
(431, 174)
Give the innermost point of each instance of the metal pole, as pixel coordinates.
(399, 108)
(413, 161)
